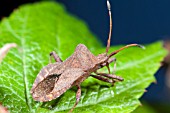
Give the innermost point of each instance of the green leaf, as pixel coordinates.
(40, 28)
(145, 108)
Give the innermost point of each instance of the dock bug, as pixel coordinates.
(56, 78)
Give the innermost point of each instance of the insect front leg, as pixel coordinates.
(114, 67)
(55, 56)
(78, 95)
(104, 77)
(109, 61)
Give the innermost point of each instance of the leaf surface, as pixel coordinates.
(145, 108)
(42, 27)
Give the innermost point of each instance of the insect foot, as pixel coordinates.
(56, 78)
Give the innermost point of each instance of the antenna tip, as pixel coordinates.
(108, 5)
(141, 46)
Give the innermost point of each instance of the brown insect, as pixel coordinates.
(56, 78)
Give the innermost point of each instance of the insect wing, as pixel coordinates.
(65, 81)
(44, 73)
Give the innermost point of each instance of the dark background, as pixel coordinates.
(134, 21)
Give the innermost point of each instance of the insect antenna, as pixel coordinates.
(127, 46)
(110, 32)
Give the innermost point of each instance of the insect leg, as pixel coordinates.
(102, 78)
(78, 95)
(112, 76)
(114, 66)
(55, 56)
(114, 69)
(107, 65)
(109, 61)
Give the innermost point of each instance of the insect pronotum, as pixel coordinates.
(56, 78)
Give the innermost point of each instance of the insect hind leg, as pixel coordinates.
(55, 56)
